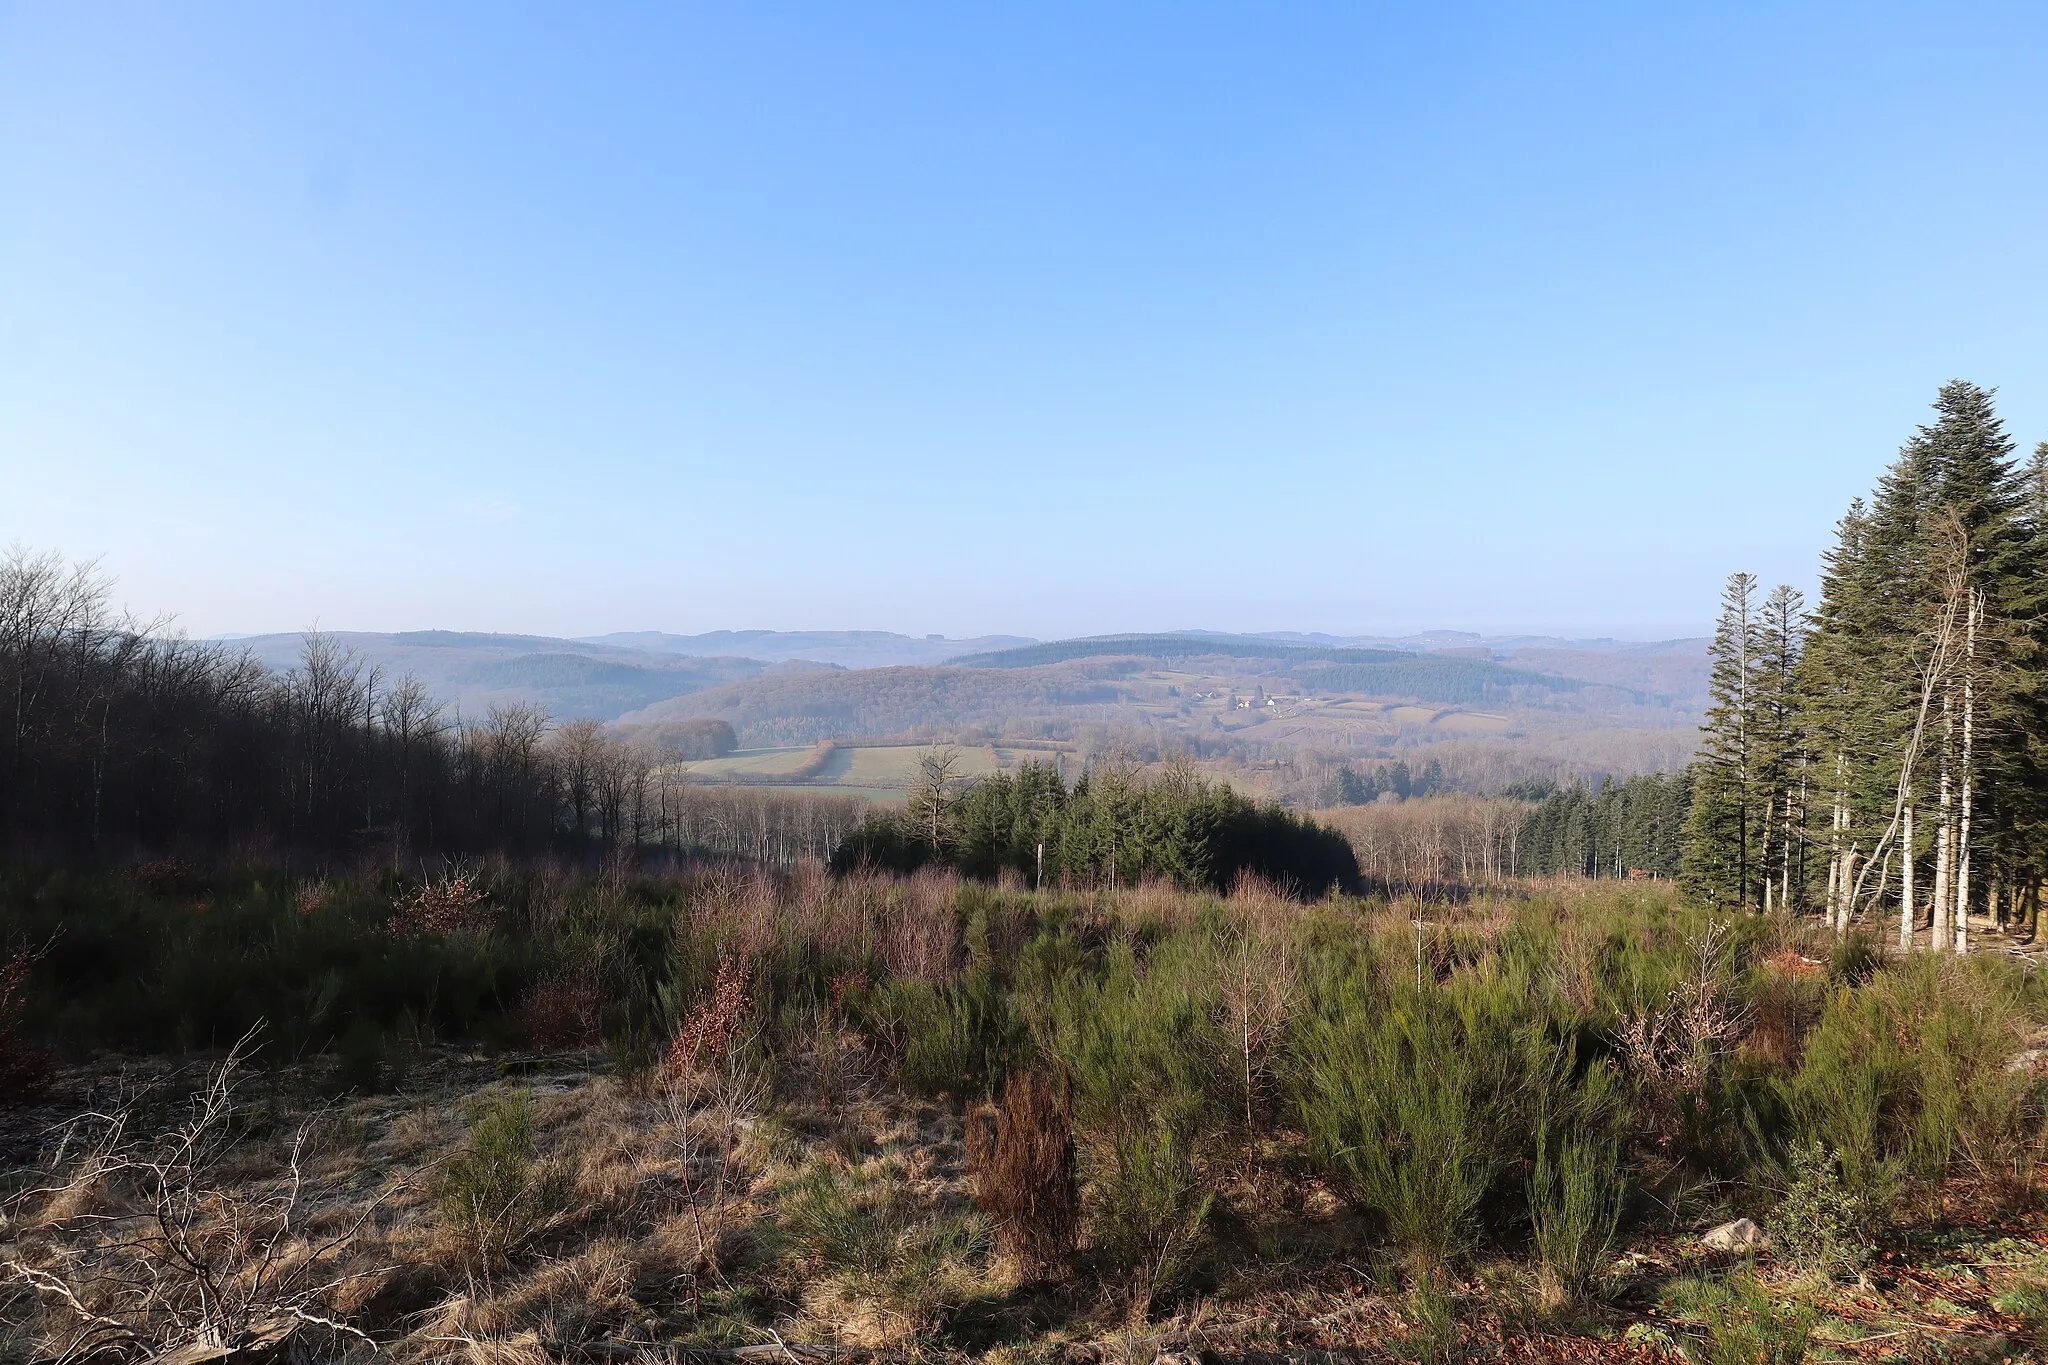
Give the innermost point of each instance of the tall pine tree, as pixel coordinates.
(1918, 710)
(1723, 829)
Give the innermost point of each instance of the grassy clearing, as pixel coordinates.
(874, 767)
(925, 1117)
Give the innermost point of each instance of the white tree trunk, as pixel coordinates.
(1909, 918)
(1969, 735)
(1848, 884)
(1945, 807)
(1785, 858)
(1763, 854)
(1838, 895)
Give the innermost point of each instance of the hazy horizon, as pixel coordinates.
(1577, 636)
(1055, 322)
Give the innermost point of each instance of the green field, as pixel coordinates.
(879, 770)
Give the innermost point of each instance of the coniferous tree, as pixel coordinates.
(1722, 830)
(1898, 733)
(1780, 748)
(1832, 672)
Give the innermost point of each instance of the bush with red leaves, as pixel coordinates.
(169, 877)
(454, 903)
(714, 1025)
(563, 1010)
(847, 986)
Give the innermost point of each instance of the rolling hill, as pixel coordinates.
(472, 672)
(847, 648)
(1323, 668)
(1221, 693)
(1244, 699)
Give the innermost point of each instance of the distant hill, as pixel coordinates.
(1260, 697)
(1449, 678)
(1429, 640)
(1214, 689)
(1676, 669)
(875, 703)
(474, 671)
(848, 648)
(1673, 669)
(1170, 648)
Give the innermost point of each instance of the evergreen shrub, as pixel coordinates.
(495, 1195)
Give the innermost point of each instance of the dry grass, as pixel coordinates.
(821, 1202)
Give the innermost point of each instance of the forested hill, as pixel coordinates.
(472, 671)
(847, 648)
(1274, 696)
(1445, 679)
(1171, 648)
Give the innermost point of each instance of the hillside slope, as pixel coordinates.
(472, 671)
(847, 648)
(1219, 693)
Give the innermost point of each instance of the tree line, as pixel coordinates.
(118, 738)
(1438, 843)
(1112, 827)
(1358, 786)
(1882, 754)
(1433, 844)
(1618, 829)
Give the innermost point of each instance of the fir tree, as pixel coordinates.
(1779, 745)
(1920, 700)
(1722, 828)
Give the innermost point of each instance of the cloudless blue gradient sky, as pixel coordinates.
(1048, 319)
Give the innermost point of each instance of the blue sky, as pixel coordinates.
(969, 318)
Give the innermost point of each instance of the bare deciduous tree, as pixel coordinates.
(932, 797)
(199, 1266)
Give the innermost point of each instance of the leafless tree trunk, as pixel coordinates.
(1909, 916)
(931, 800)
(1944, 848)
(1952, 550)
(1968, 757)
(1763, 853)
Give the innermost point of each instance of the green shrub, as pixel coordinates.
(1419, 1103)
(1907, 1075)
(1855, 957)
(842, 1221)
(1140, 1045)
(131, 966)
(1430, 1316)
(1819, 1224)
(859, 1228)
(957, 1038)
(1150, 1216)
(1575, 1204)
(494, 1195)
(1740, 1322)
(366, 1062)
(1132, 1026)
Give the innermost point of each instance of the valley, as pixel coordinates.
(1262, 710)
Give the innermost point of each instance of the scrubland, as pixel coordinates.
(518, 1113)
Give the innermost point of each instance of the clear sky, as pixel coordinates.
(964, 318)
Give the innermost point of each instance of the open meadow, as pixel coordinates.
(884, 771)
